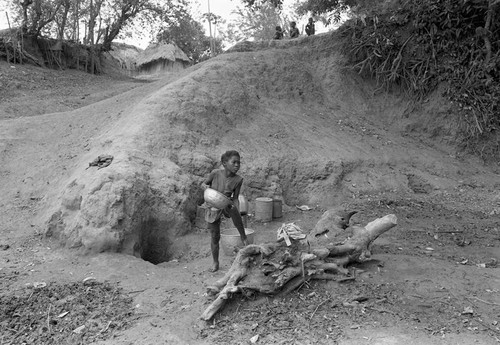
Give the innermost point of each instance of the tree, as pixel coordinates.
(331, 8)
(104, 19)
(189, 35)
(39, 13)
(258, 3)
(124, 11)
(212, 19)
(258, 22)
(62, 18)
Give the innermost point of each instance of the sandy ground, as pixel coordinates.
(434, 278)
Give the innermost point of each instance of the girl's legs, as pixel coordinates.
(214, 243)
(238, 223)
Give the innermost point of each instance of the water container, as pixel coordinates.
(243, 204)
(264, 209)
(277, 208)
(231, 242)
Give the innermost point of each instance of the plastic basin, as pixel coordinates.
(230, 240)
(216, 199)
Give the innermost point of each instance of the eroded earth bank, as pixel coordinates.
(310, 132)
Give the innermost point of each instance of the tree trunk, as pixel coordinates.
(487, 29)
(64, 19)
(274, 268)
(24, 5)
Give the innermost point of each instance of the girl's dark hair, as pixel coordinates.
(228, 154)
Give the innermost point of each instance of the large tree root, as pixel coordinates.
(275, 268)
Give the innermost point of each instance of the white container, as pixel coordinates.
(242, 200)
(231, 242)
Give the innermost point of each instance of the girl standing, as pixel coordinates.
(227, 182)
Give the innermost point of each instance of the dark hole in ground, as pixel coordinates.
(154, 243)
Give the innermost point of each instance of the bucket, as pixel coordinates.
(264, 209)
(230, 240)
(277, 208)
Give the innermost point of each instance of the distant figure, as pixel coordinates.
(278, 35)
(294, 32)
(310, 29)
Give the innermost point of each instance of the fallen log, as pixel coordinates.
(358, 247)
(278, 268)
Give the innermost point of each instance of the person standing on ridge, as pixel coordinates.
(278, 35)
(294, 32)
(310, 29)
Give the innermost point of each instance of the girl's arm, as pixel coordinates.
(208, 181)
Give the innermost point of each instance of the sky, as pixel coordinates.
(222, 8)
(3, 17)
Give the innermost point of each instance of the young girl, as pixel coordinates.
(229, 183)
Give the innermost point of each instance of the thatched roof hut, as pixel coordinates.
(166, 57)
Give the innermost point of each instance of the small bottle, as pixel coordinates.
(243, 204)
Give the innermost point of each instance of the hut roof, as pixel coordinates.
(8, 32)
(124, 52)
(166, 51)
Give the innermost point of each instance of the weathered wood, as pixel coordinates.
(241, 261)
(358, 247)
(275, 268)
(292, 284)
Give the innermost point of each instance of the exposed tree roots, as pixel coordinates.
(275, 268)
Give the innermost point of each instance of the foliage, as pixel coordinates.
(258, 3)
(122, 11)
(333, 9)
(330, 10)
(430, 42)
(189, 35)
(98, 21)
(259, 23)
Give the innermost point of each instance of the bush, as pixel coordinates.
(428, 42)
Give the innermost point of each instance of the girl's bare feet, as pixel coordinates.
(215, 267)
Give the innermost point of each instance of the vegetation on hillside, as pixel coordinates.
(415, 45)
(258, 22)
(425, 43)
(422, 44)
(189, 35)
(91, 26)
(94, 22)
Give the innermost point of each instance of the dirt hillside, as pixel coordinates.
(310, 132)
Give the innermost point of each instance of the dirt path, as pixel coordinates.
(434, 278)
(409, 293)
